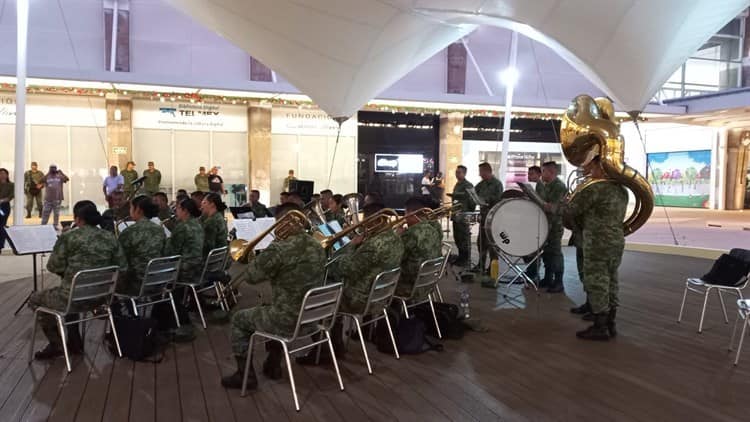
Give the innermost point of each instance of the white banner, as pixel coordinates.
(57, 110)
(296, 121)
(189, 116)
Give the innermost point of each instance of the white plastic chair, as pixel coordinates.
(696, 285)
(427, 279)
(316, 315)
(381, 294)
(743, 312)
(90, 290)
(215, 262)
(159, 281)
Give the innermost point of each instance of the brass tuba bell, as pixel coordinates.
(352, 201)
(589, 129)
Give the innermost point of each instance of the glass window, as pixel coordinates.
(230, 153)
(191, 150)
(7, 147)
(344, 165)
(49, 145)
(88, 164)
(154, 145)
(284, 156)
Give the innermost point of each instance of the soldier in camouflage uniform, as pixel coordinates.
(186, 241)
(600, 209)
(335, 211)
(214, 226)
(534, 175)
(293, 266)
(259, 209)
(129, 175)
(32, 187)
(140, 242)
(490, 190)
(153, 179)
(576, 239)
(421, 243)
(552, 191)
(461, 229)
(83, 248)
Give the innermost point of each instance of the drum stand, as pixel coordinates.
(517, 265)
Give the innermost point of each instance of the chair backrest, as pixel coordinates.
(214, 262)
(382, 291)
(447, 249)
(160, 276)
(96, 285)
(318, 309)
(429, 274)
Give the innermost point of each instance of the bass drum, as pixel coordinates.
(517, 227)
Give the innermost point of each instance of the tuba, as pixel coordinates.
(352, 201)
(291, 223)
(314, 212)
(588, 130)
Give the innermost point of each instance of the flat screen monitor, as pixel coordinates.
(399, 163)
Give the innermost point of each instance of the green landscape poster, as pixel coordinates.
(680, 179)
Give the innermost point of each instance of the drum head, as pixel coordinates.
(518, 227)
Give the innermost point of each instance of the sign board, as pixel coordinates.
(58, 110)
(399, 163)
(32, 239)
(119, 150)
(302, 121)
(184, 115)
(250, 229)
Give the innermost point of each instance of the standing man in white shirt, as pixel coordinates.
(112, 183)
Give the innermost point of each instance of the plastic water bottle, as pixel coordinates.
(464, 303)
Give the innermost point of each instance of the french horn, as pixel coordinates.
(589, 129)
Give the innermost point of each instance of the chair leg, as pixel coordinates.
(703, 311)
(64, 338)
(198, 305)
(114, 331)
(742, 339)
(334, 360)
(33, 336)
(723, 307)
(434, 316)
(247, 365)
(362, 341)
(174, 310)
(291, 373)
(682, 306)
(406, 309)
(135, 307)
(438, 294)
(390, 333)
(734, 332)
(220, 297)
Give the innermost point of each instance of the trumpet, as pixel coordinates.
(292, 222)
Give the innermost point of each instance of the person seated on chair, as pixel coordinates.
(119, 211)
(335, 210)
(293, 266)
(357, 269)
(140, 242)
(422, 241)
(186, 241)
(83, 248)
(214, 225)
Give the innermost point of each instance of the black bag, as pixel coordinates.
(410, 336)
(137, 338)
(451, 327)
(727, 271)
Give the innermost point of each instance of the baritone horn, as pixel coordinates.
(589, 129)
(352, 201)
(292, 222)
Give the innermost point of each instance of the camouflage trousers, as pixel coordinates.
(552, 255)
(55, 298)
(484, 246)
(600, 281)
(579, 265)
(462, 237)
(245, 322)
(30, 198)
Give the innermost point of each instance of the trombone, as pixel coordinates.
(292, 222)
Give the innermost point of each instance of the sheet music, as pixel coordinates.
(251, 229)
(32, 239)
(474, 197)
(336, 227)
(124, 225)
(245, 216)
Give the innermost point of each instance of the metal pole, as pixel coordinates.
(113, 45)
(512, 55)
(22, 23)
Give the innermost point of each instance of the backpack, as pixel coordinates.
(137, 337)
(728, 270)
(451, 327)
(410, 334)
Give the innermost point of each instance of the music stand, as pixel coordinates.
(31, 240)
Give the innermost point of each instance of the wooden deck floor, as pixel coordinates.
(529, 366)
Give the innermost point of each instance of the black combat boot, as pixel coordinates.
(581, 310)
(557, 285)
(546, 281)
(598, 331)
(28, 214)
(235, 380)
(51, 351)
(611, 322)
(75, 343)
(272, 364)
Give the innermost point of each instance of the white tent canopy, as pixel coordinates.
(342, 53)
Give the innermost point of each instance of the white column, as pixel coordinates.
(510, 83)
(22, 23)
